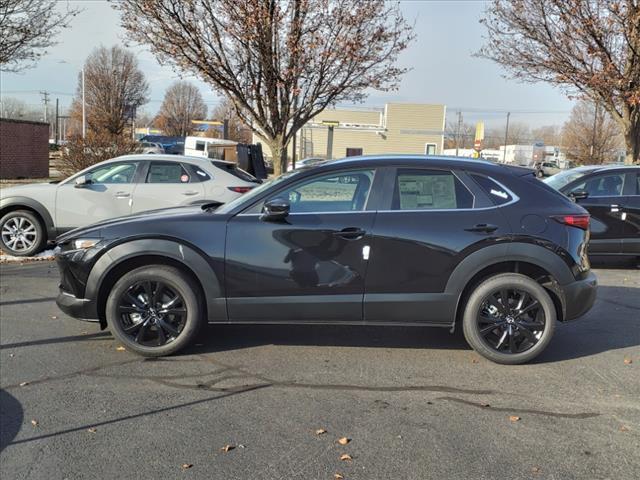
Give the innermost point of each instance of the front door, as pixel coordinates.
(107, 194)
(603, 204)
(630, 205)
(311, 265)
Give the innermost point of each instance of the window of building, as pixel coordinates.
(430, 148)
(354, 152)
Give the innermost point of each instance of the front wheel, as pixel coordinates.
(22, 233)
(155, 310)
(509, 318)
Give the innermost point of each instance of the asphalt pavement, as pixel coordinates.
(265, 402)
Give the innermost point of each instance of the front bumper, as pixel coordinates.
(81, 308)
(579, 296)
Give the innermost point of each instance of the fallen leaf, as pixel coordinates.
(186, 466)
(92, 430)
(628, 361)
(535, 470)
(34, 423)
(54, 317)
(241, 446)
(514, 418)
(227, 448)
(11, 355)
(475, 360)
(321, 431)
(344, 440)
(624, 428)
(24, 384)
(345, 457)
(120, 349)
(486, 405)
(338, 476)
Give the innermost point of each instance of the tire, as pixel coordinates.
(539, 173)
(22, 233)
(140, 326)
(484, 309)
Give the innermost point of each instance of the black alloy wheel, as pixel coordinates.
(155, 310)
(511, 320)
(152, 314)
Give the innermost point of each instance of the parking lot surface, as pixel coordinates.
(414, 403)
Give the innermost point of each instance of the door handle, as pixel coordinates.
(350, 233)
(482, 228)
(122, 195)
(615, 208)
(190, 192)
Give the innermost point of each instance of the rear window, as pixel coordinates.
(498, 194)
(235, 171)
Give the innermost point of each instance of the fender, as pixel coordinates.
(190, 258)
(34, 205)
(506, 252)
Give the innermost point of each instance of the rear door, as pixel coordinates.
(604, 205)
(429, 221)
(630, 212)
(165, 185)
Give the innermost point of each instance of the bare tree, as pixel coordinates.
(182, 103)
(27, 28)
(80, 153)
(590, 135)
(280, 62)
(549, 134)
(460, 135)
(591, 47)
(114, 88)
(17, 109)
(238, 130)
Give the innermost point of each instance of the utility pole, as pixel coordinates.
(506, 136)
(458, 130)
(45, 100)
(57, 136)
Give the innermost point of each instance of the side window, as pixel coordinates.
(602, 185)
(200, 146)
(343, 192)
(418, 189)
(496, 193)
(167, 172)
(198, 174)
(113, 173)
(637, 184)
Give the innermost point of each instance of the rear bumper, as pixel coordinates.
(579, 296)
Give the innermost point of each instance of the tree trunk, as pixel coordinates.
(278, 155)
(632, 142)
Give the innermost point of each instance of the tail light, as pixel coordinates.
(579, 221)
(240, 189)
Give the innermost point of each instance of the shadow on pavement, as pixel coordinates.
(49, 341)
(11, 416)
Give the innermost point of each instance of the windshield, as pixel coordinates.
(249, 196)
(561, 179)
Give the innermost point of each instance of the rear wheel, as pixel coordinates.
(155, 310)
(509, 318)
(22, 233)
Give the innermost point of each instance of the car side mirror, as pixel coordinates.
(275, 209)
(579, 195)
(82, 181)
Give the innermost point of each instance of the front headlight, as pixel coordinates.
(84, 243)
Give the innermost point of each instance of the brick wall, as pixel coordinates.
(24, 149)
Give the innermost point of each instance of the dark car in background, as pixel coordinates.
(394, 240)
(611, 195)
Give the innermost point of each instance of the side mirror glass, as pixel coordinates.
(579, 194)
(275, 209)
(82, 181)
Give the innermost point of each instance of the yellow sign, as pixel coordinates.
(208, 122)
(331, 123)
(477, 144)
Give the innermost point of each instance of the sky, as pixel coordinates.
(443, 68)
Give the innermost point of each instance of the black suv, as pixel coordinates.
(611, 195)
(394, 240)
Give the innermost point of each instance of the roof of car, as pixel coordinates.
(165, 158)
(417, 160)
